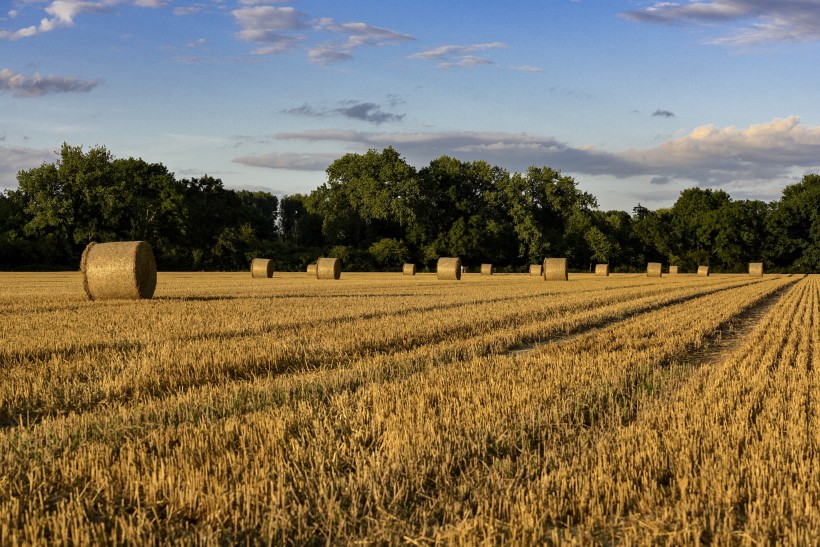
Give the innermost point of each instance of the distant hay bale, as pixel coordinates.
(328, 268)
(536, 269)
(409, 269)
(602, 270)
(311, 270)
(756, 269)
(486, 269)
(673, 270)
(124, 269)
(448, 268)
(261, 267)
(555, 269)
(703, 271)
(653, 269)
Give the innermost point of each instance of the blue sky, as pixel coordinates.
(636, 100)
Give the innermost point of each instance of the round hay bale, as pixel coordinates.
(673, 270)
(555, 269)
(602, 270)
(536, 269)
(448, 268)
(311, 270)
(703, 271)
(328, 268)
(408, 269)
(261, 267)
(124, 269)
(756, 269)
(654, 269)
(486, 269)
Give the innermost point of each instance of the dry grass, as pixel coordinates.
(491, 410)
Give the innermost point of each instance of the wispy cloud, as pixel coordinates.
(527, 68)
(709, 156)
(296, 162)
(759, 21)
(663, 114)
(449, 56)
(17, 158)
(280, 29)
(36, 85)
(356, 35)
(363, 111)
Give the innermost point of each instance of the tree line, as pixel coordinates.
(376, 212)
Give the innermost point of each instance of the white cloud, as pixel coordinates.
(61, 14)
(760, 21)
(36, 85)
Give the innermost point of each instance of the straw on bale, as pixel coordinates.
(124, 269)
(703, 271)
(328, 268)
(756, 269)
(536, 269)
(408, 269)
(653, 269)
(448, 268)
(555, 269)
(673, 270)
(486, 269)
(602, 270)
(261, 267)
(311, 270)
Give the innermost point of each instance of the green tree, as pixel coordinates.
(794, 227)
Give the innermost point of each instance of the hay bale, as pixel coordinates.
(261, 267)
(486, 269)
(328, 268)
(311, 270)
(703, 271)
(408, 269)
(124, 269)
(555, 269)
(536, 269)
(602, 270)
(448, 268)
(756, 269)
(654, 269)
(673, 270)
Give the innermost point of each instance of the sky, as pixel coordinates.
(636, 100)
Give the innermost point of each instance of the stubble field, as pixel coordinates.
(392, 409)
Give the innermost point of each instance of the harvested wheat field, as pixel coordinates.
(385, 408)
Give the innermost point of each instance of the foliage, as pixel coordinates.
(376, 211)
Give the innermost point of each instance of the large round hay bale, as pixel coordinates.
(602, 270)
(654, 269)
(486, 269)
(124, 269)
(756, 269)
(536, 269)
(408, 269)
(673, 270)
(311, 270)
(261, 267)
(448, 268)
(555, 269)
(328, 268)
(703, 271)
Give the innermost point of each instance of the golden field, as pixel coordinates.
(383, 408)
